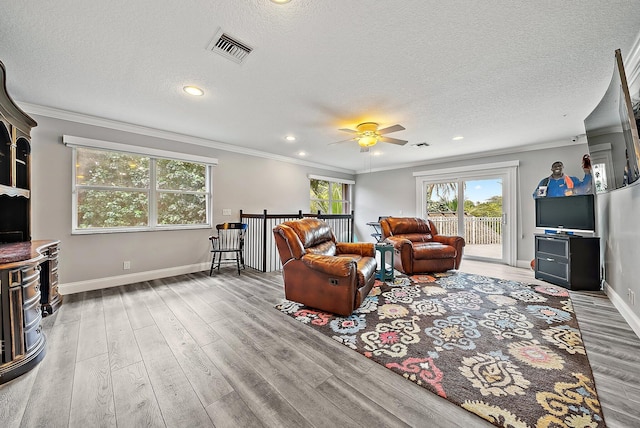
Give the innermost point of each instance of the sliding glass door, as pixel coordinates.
(483, 216)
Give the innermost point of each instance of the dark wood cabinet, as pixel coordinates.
(28, 269)
(15, 168)
(24, 268)
(50, 299)
(570, 261)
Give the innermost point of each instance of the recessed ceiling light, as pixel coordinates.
(302, 153)
(457, 138)
(193, 90)
(290, 138)
(377, 153)
(281, 1)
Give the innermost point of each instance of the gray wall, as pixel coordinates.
(239, 182)
(619, 226)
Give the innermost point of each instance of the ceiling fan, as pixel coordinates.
(367, 135)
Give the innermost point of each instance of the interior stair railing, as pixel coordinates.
(260, 250)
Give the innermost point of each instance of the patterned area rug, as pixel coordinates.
(509, 352)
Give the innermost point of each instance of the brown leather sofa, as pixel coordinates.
(320, 272)
(418, 247)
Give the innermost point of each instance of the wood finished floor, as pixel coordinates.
(199, 351)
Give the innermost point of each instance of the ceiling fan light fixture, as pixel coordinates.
(367, 134)
(367, 140)
(370, 127)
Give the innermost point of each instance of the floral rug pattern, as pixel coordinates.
(510, 352)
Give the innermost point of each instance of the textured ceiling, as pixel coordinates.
(504, 74)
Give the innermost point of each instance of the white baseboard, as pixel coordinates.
(632, 319)
(114, 281)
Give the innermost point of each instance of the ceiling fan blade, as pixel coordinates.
(342, 141)
(350, 131)
(364, 149)
(393, 141)
(394, 128)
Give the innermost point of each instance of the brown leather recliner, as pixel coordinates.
(320, 272)
(417, 246)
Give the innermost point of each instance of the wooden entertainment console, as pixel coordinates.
(570, 261)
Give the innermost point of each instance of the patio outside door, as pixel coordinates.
(488, 201)
(479, 219)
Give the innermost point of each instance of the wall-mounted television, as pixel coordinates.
(566, 214)
(612, 135)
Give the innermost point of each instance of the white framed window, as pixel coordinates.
(330, 195)
(117, 191)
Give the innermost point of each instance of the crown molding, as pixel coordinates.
(529, 148)
(86, 119)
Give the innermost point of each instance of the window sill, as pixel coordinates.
(139, 229)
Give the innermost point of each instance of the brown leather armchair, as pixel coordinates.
(320, 272)
(417, 246)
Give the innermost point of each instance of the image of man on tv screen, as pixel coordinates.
(559, 184)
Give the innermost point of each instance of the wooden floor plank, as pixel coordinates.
(292, 385)
(266, 403)
(178, 401)
(72, 309)
(192, 296)
(50, 396)
(92, 398)
(133, 298)
(135, 402)
(14, 396)
(231, 411)
(201, 332)
(93, 334)
(205, 378)
(121, 342)
(354, 402)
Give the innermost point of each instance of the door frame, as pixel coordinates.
(508, 171)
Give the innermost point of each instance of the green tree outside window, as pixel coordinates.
(329, 197)
(113, 190)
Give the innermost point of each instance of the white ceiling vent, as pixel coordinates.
(229, 47)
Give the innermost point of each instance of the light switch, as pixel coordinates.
(226, 211)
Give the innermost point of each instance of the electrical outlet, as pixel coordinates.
(226, 211)
(126, 265)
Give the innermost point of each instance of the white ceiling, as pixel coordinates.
(503, 74)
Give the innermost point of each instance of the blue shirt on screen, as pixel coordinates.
(564, 186)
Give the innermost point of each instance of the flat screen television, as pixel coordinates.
(566, 214)
(612, 135)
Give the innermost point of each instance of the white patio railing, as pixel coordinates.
(477, 230)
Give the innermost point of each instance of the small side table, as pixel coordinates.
(384, 274)
(376, 228)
